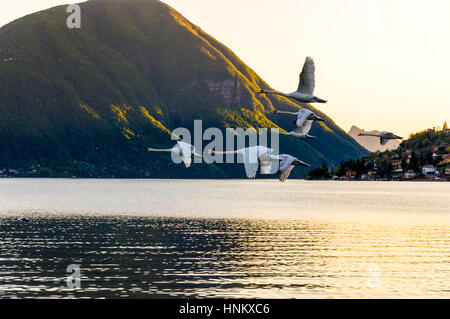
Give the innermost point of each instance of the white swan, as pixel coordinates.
(303, 123)
(384, 136)
(305, 90)
(253, 157)
(262, 157)
(185, 150)
(287, 164)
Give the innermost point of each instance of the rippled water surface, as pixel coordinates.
(255, 239)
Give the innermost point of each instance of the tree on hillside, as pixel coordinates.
(320, 173)
(422, 160)
(404, 163)
(385, 169)
(414, 162)
(429, 158)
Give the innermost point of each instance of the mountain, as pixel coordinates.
(86, 102)
(372, 143)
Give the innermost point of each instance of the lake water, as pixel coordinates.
(234, 238)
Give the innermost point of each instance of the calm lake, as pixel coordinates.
(233, 238)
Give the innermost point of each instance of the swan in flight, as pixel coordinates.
(384, 136)
(305, 90)
(303, 123)
(261, 157)
(253, 158)
(185, 150)
(287, 164)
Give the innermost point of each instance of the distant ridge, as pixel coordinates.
(86, 102)
(371, 143)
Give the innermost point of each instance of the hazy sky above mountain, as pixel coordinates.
(381, 64)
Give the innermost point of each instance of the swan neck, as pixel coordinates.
(224, 152)
(158, 150)
(285, 112)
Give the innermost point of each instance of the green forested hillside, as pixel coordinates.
(86, 102)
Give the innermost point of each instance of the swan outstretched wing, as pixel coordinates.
(302, 116)
(265, 164)
(250, 169)
(266, 159)
(286, 161)
(305, 128)
(391, 135)
(284, 174)
(186, 152)
(266, 167)
(187, 160)
(287, 164)
(307, 80)
(251, 161)
(285, 167)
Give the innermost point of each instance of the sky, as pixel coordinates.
(380, 64)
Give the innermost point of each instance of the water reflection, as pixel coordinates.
(178, 257)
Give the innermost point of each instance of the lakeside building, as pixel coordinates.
(397, 165)
(410, 174)
(447, 170)
(371, 173)
(445, 159)
(428, 170)
(350, 174)
(397, 174)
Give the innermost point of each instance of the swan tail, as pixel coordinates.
(319, 100)
(318, 118)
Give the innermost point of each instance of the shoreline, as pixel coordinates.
(223, 179)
